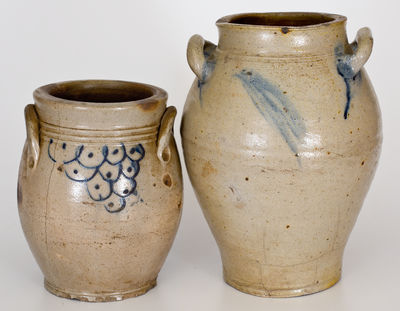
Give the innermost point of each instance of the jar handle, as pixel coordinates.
(164, 134)
(32, 135)
(363, 43)
(351, 64)
(197, 53)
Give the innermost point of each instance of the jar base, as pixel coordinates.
(99, 297)
(283, 292)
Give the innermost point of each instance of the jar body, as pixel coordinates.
(96, 210)
(279, 170)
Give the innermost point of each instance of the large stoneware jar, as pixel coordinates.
(281, 135)
(100, 188)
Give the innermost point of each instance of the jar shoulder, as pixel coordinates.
(294, 106)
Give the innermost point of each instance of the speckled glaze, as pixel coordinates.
(100, 187)
(281, 134)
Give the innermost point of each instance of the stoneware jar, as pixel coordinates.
(281, 135)
(100, 187)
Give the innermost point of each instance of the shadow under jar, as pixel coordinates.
(281, 134)
(100, 187)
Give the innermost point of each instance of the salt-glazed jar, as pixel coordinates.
(281, 134)
(100, 187)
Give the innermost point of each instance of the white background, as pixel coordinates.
(48, 41)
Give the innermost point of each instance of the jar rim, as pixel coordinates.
(274, 20)
(100, 104)
(99, 93)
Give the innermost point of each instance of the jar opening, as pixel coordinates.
(288, 19)
(101, 91)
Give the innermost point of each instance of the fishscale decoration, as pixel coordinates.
(108, 172)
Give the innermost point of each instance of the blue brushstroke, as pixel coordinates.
(345, 70)
(348, 97)
(208, 67)
(275, 107)
(48, 150)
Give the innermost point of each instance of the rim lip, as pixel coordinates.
(225, 21)
(42, 94)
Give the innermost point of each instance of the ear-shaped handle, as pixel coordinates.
(351, 64)
(363, 43)
(195, 54)
(32, 135)
(198, 53)
(164, 134)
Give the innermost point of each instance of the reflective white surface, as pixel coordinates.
(47, 41)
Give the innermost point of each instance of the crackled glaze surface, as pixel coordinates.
(281, 134)
(100, 187)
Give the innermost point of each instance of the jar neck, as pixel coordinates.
(89, 136)
(100, 105)
(283, 37)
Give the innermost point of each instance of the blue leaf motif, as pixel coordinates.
(275, 107)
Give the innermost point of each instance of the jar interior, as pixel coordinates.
(101, 91)
(282, 19)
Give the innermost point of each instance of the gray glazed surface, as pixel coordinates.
(100, 187)
(281, 135)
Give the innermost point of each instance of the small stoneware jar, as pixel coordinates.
(281, 134)
(100, 187)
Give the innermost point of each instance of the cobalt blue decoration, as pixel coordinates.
(208, 67)
(345, 70)
(109, 175)
(275, 107)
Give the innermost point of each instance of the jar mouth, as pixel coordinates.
(280, 19)
(99, 92)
